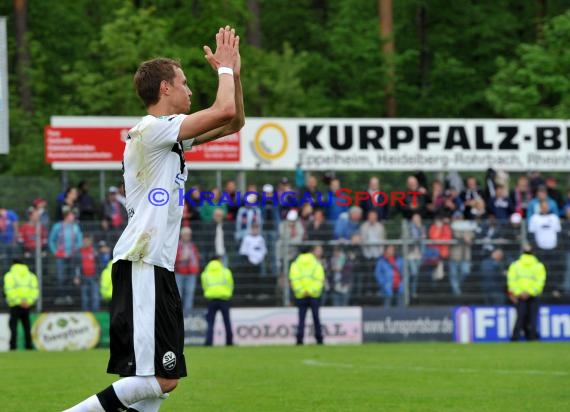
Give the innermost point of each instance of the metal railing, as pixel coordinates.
(267, 283)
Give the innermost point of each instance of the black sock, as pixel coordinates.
(110, 401)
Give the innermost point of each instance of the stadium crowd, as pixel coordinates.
(453, 229)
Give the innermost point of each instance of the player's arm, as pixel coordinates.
(235, 124)
(223, 111)
(238, 121)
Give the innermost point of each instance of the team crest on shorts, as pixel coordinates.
(169, 360)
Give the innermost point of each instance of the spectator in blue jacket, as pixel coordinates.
(8, 237)
(65, 240)
(534, 205)
(335, 204)
(390, 277)
(346, 227)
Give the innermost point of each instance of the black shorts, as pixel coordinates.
(147, 325)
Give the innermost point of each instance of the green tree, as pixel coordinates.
(536, 82)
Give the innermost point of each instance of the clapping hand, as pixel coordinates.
(227, 51)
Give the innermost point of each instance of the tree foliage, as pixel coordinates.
(313, 58)
(536, 82)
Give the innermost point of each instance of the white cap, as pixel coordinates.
(292, 215)
(516, 218)
(268, 188)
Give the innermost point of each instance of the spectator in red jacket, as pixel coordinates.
(88, 280)
(187, 269)
(440, 231)
(28, 238)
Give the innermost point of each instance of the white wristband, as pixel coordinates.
(225, 70)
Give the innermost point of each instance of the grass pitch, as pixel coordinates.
(375, 377)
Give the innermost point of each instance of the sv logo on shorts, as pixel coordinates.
(169, 361)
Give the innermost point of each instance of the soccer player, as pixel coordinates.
(147, 330)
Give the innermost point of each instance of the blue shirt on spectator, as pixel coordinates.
(7, 222)
(334, 210)
(344, 228)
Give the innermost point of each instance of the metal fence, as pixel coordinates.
(468, 268)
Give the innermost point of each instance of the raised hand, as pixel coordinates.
(227, 50)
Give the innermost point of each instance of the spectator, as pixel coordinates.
(85, 202)
(565, 245)
(69, 202)
(454, 179)
(413, 203)
(511, 238)
(114, 215)
(346, 227)
(526, 278)
(452, 203)
(271, 219)
(191, 212)
(492, 180)
(287, 198)
(479, 209)
(347, 277)
(389, 276)
(470, 196)
(521, 196)
(290, 233)
(545, 227)
(534, 204)
(8, 236)
(375, 201)
(220, 240)
(253, 249)
(336, 205)
(309, 191)
(372, 231)
(40, 205)
(87, 278)
(535, 180)
(435, 199)
(187, 269)
(104, 255)
(566, 206)
(493, 271)
(65, 240)
(247, 216)
(21, 291)
(440, 231)
(319, 229)
(339, 279)
(553, 192)
(270, 208)
(422, 180)
(121, 195)
(460, 253)
(28, 238)
(233, 206)
(489, 233)
(306, 216)
(500, 204)
(210, 202)
(417, 234)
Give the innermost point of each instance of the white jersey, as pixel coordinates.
(545, 229)
(154, 171)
